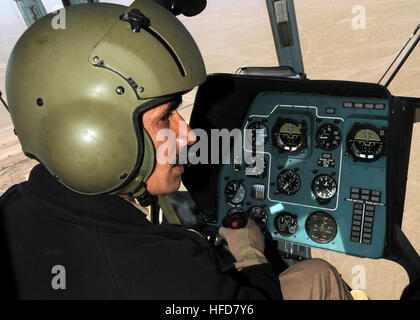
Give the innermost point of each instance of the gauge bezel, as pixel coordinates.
(302, 127)
(261, 225)
(318, 198)
(234, 205)
(281, 190)
(253, 137)
(382, 133)
(318, 140)
(263, 174)
(324, 214)
(276, 224)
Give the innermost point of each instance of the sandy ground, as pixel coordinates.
(233, 35)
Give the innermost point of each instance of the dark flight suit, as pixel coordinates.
(64, 245)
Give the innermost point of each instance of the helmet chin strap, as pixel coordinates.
(146, 199)
(168, 210)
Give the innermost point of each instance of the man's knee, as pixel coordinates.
(319, 266)
(313, 279)
(311, 268)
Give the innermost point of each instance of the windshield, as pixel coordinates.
(336, 42)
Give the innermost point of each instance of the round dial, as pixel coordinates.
(256, 166)
(288, 182)
(235, 193)
(366, 142)
(321, 227)
(286, 223)
(257, 138)
(290, 135)
(259, 215)
(324, 187)
(328, 137)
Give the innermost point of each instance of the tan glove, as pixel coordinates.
(245, 244)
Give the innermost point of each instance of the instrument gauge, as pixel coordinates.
(259, 215)
(324, 188)
(256, 166)
(321, 227)
(366, 142)
(254, 137)
(288, 182)
(286, 223)
(290, 135)
(328, 137)
(235, 193)
(235, 218)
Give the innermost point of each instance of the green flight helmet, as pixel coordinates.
(77, 90)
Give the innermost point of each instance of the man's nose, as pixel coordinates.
(185, 136)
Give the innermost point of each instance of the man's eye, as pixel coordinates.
(165, 117)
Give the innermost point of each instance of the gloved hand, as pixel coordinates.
(246, 244)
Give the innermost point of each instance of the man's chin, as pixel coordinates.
(177, 169)
(167, 189)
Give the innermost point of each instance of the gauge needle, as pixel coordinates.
(289, 183)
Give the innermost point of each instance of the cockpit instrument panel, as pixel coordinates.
(325, 154)
(316, 161)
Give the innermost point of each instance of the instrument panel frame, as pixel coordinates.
(222, 103)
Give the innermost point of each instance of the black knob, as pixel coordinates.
(235, 220)
(136, 19)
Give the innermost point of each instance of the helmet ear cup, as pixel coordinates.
(88, 143)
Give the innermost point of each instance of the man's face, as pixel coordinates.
(166, 177)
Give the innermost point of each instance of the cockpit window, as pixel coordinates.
(11, 27)
(231, 36)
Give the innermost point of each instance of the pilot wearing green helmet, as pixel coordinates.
(87, 102)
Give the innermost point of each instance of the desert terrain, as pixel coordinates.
(233, 34)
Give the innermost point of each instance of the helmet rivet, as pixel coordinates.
(39, 102)
(141, 89)
(123, 175)
(120, 90)
(95, 58)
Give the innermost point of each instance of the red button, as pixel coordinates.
(234, 224)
